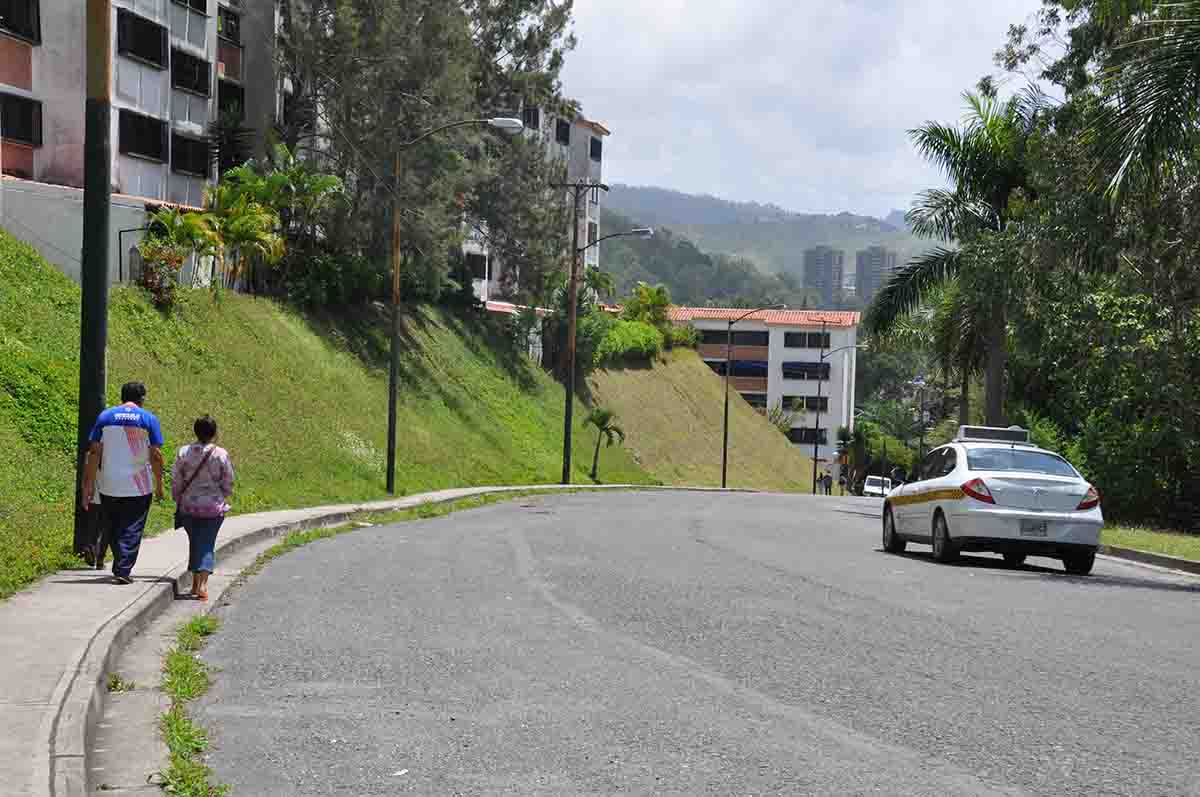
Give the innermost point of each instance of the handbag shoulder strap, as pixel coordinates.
(196, 472)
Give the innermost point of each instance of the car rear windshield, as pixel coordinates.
(1016, 459)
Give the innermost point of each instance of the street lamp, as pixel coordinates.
(919, 384)
(580, 189)
(817, 424)
(505, 124)
(728, 363)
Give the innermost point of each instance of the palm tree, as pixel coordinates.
(985, 161)
(1153, 84)
(606, 430)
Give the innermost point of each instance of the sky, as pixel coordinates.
(800, 103)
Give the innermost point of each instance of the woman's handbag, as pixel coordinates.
(187, 484)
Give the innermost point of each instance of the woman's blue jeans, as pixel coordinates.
(202, 541)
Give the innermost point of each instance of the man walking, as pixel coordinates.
(125, 451)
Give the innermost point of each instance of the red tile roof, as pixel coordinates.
(508, 308)
(790, 318)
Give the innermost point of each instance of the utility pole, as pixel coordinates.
(579, 191)
(394, 369)
(572, 301)
(94, 260)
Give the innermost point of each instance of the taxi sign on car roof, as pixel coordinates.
(993, 434)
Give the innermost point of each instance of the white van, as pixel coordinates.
(877, 486)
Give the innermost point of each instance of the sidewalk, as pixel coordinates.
(56, 639)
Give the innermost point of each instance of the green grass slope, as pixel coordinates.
(301, 403)
(672, 415)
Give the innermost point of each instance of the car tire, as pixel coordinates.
(1014, 559)
(892, 542)
(944, 549)
(1079, 564)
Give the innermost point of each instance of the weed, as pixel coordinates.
(186, 678)
(118, 684)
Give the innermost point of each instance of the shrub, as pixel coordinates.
(682, 335)
(161, 263)
(629, 340)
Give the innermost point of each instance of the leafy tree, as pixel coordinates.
(650, 304)
(607, 430)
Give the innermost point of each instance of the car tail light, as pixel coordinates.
(1091, 500)
(979, 491)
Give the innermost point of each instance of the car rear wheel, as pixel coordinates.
(891, 541)
(1079, 564)
(1014, 559)
(944, 549)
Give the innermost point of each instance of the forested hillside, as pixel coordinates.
(693, 276)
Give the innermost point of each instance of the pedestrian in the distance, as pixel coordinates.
(201, 484)
(124, 455)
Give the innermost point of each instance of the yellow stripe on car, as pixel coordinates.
(949, 494)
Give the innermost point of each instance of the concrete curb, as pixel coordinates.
(62, 767)
(1156, 559)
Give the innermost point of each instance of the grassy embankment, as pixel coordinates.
(672, 414)
(1185, 546)
(301, 403)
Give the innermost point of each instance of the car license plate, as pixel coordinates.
(1033, 528)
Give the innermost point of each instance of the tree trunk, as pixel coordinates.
(596, 458)
(997, 362)
(964, 404)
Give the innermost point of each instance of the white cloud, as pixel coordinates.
(799, 102)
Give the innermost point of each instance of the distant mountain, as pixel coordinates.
(896, 219)
(772, 238)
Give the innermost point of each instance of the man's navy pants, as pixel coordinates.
(124, 521)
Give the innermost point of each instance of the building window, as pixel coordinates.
(200, 6)
(756, 400)
(806, 403)
(191, 156)
(532, 118)
(712, 336)
(229, 25)
(597, 149)
(750, 368)
(140, 38)
(22, 119)
(190, 73)
(231, 98)
(806, 340)
(800, 370)
(751, 338)
(562, 132)
(809, 436)
(143, 136)
(717, 366)
(593, 232)
(21, 18)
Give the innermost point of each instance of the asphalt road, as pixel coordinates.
(682, 643)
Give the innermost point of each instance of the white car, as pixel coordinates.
(991, 490)
(877, 486)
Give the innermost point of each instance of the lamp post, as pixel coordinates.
(817, 424)
(919, 384)
(507, 125)
(579, 190)
(728, 364)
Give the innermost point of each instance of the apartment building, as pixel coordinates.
(578, 143)
(784, 358)
(872, 268)
(824, 269)
(176, 65)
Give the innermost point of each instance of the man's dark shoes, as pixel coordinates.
(122, 580)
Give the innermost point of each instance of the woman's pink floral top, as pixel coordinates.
(208, 493)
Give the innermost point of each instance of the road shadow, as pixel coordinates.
(1095, 580)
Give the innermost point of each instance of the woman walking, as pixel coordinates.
(201, 484)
